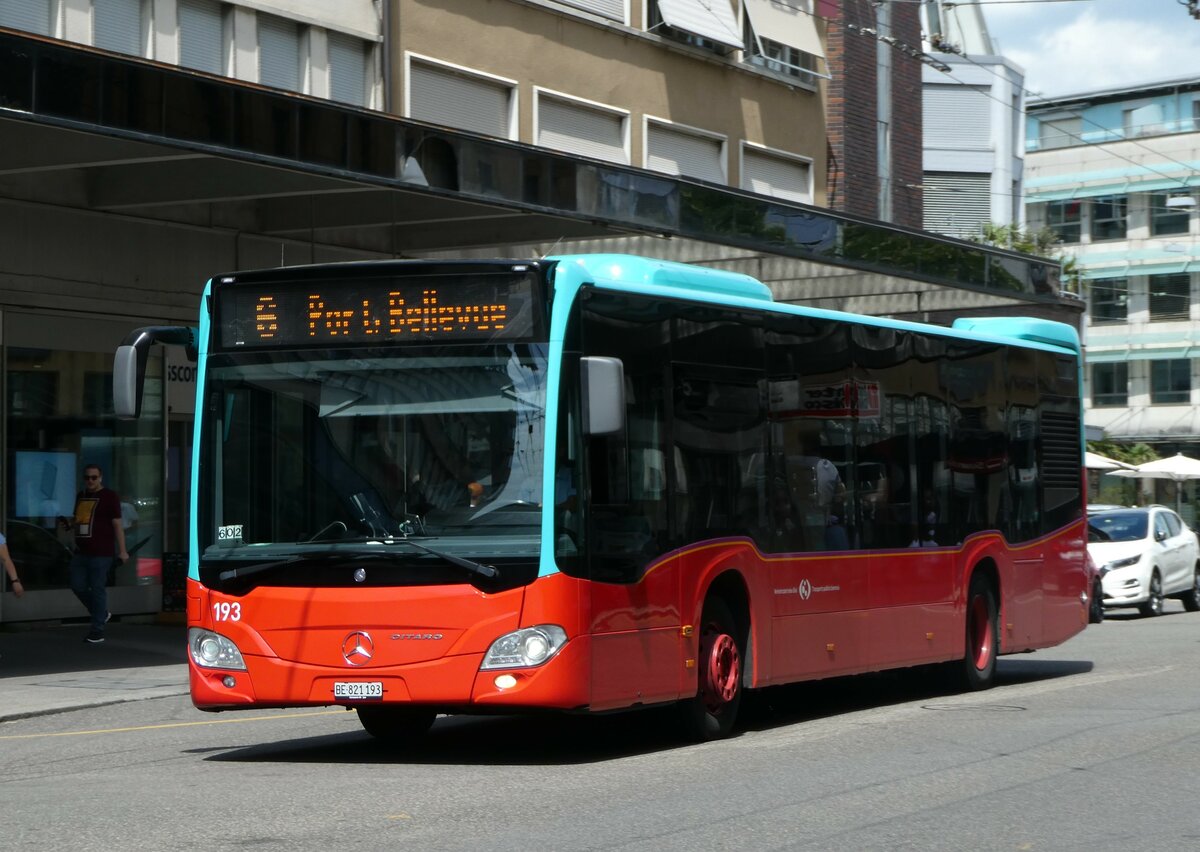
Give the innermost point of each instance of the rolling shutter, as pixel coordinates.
(772, 175)
(348, 69)
(117, 25)
(678, 152)
(786, 23)
(32, 16)
(581, 130)
(614, 10)
(278, 53)
(957, 204)
(957, 117)
(201, 39)
(442, 96)
(710, 19)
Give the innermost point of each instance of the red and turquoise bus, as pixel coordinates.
(598, 482)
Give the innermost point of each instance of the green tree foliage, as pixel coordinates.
(1042, 242)
(1128, 453)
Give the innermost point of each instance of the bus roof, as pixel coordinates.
(630, 272)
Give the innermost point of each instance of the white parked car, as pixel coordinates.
(1145, 555)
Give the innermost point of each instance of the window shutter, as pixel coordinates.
(710, 19)
(117, 25)
(614, 10)
(957, 117)
(458, 100)
(778, 176)
(581, 130)
(348, 69)
(958, 205)
(278, 53)
(32, 16)
(201, 38)
(678, 152)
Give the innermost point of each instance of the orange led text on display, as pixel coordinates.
(398, 316)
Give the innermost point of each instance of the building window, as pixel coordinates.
(958, 204)
(1171, 381)
(1110, 384)
(1195, 115)
(32, 16)
(457, 97)
(1063, 218)
(613, 10)
(1110, 300)
(1170, 296)
(587, 130)
(777, 174)
(1109, 217)
(279, 53)
(781, 38)
(678, 151)
(348, 58)
(1165, 219)
(1060, 132)
(201, 36)
(117, 25)
(1142, 121)
(701, 23)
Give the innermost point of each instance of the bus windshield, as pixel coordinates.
(342, 450)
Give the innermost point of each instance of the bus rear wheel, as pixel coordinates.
(712, 712)
(396, 724)
(977, 669)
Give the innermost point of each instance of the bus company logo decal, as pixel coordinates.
(358, 648)
(806, 589)
(416, 637)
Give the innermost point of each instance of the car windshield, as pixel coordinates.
(336, 451)
(1118, 526)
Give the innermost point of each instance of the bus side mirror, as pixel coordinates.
(603, 395)
(127, 382)
(129, 363)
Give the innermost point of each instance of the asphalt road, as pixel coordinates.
(1093, 745)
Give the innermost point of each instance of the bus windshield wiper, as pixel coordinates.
(479, 568)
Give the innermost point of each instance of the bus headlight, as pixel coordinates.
(525, 648)
(214, 651)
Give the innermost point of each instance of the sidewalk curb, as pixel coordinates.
(54, 711)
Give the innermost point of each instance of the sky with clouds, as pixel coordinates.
(1072, 46)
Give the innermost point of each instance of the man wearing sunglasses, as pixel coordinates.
(98, 535)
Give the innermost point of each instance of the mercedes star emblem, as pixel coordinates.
(357, 648)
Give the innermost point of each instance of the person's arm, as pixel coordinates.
(14, 582)
(122, 553)
(119, 531)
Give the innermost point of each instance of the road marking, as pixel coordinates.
(170, 725)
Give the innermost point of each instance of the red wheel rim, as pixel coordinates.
(722, 669)
(980, 632)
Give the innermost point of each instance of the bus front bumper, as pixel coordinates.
(453, 683)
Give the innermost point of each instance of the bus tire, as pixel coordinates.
(396, 724)
(711, 713)
(977, 668)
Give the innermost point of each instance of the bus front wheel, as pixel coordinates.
(977, 669)
(711, 713)
(396, 724)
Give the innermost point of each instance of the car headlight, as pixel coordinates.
(214, 651)
(525, 648)
(1124, 563)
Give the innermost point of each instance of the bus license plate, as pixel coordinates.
(358, 690)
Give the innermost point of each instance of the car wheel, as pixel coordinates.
(1191, 598)
(1096, 608)
(1154, 604)
(711, 713)
(396, 724)
(977, 669)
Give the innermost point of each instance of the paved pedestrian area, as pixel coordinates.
(51, 669)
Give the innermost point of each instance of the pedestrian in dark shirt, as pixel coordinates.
(98, 535)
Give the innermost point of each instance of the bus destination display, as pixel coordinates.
(443, 310)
